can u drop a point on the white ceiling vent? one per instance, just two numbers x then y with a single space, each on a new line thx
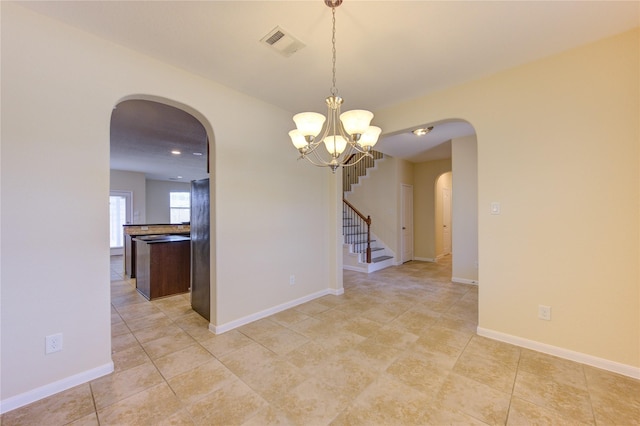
281 42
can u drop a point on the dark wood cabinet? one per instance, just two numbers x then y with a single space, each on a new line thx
129 256
162 265
131 232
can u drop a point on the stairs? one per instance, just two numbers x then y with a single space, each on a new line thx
354 224
351 175
355 249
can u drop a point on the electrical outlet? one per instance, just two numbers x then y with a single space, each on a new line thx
544 312
53 343
292 279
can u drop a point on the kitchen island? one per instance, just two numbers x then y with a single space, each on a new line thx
133 231
163 265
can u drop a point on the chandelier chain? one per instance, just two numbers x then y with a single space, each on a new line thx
343 135
334 91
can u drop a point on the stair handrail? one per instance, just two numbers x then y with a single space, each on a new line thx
366 220
352 174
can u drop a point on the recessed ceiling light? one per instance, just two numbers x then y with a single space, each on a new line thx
197 153
176 152
422 131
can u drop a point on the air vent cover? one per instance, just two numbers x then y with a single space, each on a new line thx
282 42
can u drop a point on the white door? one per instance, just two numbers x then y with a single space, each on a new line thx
119 214
406 205
446 220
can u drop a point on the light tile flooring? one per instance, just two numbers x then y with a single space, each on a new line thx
398 348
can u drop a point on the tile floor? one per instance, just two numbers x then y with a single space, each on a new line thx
398 348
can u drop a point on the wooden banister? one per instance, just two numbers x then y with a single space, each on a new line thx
366 220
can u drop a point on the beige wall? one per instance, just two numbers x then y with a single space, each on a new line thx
59 86
558 147
424 207
405 171
158 208
464 164
135 183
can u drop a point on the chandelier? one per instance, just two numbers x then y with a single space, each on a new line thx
343 135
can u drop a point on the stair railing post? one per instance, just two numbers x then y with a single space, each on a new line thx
368 239
353 212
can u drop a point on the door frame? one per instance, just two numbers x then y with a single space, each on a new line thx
447 221
128 196
406 197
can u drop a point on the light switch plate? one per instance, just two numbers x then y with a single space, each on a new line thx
495 207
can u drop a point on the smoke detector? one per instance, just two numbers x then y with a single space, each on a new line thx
282 42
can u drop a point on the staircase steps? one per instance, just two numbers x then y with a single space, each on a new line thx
380 259
355 237
351 175
373 250
355 226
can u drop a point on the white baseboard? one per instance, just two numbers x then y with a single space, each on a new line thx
370 267
336 291
604 364
354 268
219 329
425 259
52 388
464 281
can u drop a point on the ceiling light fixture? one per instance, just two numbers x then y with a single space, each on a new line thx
343 134
422 131
176 152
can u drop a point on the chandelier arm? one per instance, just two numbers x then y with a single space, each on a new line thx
316 164
357 148
363 156
314 157
319 161
311 148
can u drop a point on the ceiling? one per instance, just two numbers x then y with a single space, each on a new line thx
387 51
163 142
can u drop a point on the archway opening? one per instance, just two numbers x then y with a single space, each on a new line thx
158 149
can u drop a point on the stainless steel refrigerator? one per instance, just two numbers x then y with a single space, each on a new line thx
200 269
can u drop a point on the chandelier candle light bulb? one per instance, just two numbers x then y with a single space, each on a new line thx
343 134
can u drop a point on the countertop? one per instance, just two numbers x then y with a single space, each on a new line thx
156 229
153 239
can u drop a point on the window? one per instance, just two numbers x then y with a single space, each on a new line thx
120 208
117 218
180 206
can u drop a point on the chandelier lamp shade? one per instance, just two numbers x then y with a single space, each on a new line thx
341 134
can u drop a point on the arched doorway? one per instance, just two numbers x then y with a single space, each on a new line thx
158 147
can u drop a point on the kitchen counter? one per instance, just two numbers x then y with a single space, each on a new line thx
156 228
152 239
133 231
163 265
